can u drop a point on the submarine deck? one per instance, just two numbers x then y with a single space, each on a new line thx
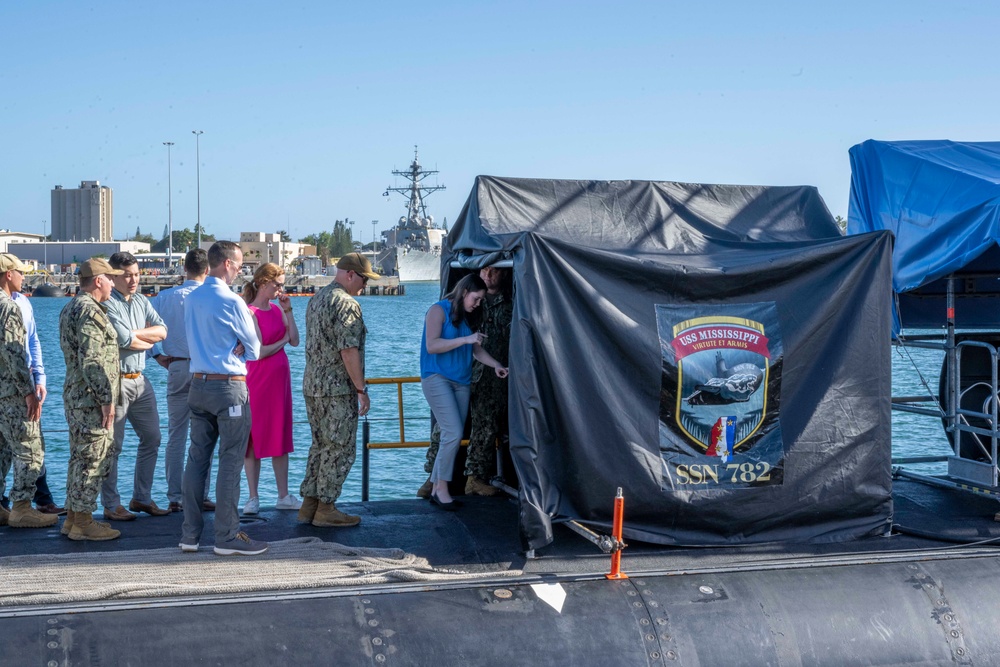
481 539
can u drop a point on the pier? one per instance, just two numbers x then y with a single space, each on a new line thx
151 284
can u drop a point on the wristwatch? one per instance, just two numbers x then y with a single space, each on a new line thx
362 391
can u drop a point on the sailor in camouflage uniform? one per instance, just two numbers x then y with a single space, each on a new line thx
488 403
20 409
90 393
334 389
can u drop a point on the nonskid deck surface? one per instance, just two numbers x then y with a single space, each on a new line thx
418 623
482 536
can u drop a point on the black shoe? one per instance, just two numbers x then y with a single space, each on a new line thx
447 507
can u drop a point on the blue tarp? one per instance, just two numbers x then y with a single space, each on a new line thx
941 200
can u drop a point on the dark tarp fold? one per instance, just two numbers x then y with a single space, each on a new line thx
648 317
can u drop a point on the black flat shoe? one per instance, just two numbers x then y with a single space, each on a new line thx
447 507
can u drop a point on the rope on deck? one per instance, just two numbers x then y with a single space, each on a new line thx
293 564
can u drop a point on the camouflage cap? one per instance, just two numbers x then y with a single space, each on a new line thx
9 262
355 261
97 266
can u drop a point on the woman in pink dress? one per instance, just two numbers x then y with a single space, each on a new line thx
269 382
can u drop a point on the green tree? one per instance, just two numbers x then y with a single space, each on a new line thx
341 242
284 235
335 244
322 243
184 240
842 223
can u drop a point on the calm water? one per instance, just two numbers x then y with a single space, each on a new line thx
394 327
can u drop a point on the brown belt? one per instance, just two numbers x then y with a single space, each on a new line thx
131 376
219 376
173 359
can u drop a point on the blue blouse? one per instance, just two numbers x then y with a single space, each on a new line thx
456 365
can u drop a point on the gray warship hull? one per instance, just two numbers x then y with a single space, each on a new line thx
412 265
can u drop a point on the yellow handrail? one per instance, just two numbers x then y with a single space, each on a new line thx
402 443
399 382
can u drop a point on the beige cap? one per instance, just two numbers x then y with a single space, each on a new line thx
9 262
98 266
355 261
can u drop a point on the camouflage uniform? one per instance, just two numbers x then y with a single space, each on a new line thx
20 439
90 347
333 323
488 405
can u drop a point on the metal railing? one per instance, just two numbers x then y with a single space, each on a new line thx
402 443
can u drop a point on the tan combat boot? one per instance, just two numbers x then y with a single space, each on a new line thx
85 528
4 516
476 487
328 516
68 523
425 489
23 515
308 509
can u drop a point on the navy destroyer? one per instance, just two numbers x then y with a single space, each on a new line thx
413 247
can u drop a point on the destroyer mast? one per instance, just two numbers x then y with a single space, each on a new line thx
413 246
411 231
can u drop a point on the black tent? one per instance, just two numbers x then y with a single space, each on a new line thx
719 352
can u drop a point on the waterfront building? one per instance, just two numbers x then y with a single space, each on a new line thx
261 247
83 214
64 255
9 237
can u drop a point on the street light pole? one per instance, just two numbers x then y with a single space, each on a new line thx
374 243
268 252
197 157
170 211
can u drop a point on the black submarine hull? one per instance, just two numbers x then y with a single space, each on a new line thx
926 610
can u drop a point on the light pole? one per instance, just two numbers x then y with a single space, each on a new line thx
268 252
170 211
374 239
197 158
45 247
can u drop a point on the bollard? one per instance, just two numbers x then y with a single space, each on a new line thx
616 533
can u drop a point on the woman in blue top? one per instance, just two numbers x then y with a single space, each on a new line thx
447 348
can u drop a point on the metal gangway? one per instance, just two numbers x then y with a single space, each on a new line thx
968 410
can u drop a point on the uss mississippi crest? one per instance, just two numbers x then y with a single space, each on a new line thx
720 394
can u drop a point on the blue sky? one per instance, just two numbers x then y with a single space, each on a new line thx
307 107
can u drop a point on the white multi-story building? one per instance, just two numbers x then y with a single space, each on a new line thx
83 214
261 247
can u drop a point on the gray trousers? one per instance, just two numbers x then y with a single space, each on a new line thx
220 412
449 402
178 428
138 405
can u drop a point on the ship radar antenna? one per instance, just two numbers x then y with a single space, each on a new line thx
416 191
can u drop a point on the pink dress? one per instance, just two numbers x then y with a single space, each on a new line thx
269 382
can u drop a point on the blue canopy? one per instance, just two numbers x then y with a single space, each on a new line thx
941 200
